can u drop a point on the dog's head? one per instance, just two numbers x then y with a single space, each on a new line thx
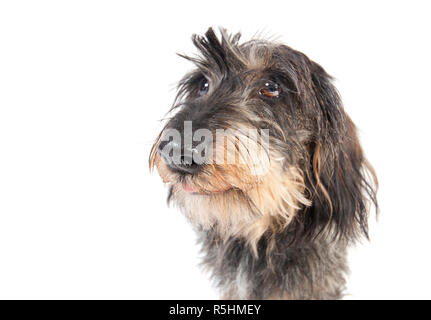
259 142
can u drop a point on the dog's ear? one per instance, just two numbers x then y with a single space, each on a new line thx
341 182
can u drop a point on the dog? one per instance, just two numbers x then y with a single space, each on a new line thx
275 221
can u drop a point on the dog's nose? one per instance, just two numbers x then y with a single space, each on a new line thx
177 157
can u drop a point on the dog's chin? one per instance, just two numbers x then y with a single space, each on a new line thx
197 185
188 186
193 190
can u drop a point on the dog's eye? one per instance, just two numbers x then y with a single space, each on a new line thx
271 90
203 87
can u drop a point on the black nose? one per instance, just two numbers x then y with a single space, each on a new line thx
178 158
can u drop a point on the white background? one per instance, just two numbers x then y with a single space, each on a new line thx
82 87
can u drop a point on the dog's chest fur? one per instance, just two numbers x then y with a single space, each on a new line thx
315 270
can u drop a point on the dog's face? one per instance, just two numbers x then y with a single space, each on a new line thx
288 154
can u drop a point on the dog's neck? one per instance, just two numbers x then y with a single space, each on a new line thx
280 269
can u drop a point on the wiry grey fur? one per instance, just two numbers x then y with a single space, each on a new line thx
314 270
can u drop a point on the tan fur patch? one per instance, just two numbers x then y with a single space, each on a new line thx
237 203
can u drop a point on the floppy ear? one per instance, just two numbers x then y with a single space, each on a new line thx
342 183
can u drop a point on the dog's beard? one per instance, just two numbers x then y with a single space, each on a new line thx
240 199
